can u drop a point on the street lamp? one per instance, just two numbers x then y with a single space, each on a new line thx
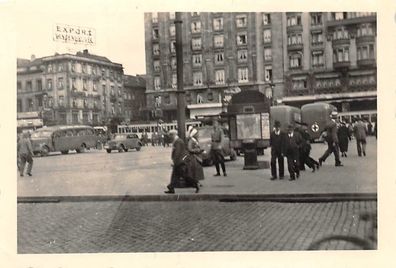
269 92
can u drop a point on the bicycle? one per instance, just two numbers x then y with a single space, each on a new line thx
368 243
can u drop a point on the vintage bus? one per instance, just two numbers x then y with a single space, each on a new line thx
316 116
151 128
63 139
286 115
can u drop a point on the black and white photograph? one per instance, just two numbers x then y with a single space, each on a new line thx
194 131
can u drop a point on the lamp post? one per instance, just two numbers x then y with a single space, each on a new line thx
181 105
269 92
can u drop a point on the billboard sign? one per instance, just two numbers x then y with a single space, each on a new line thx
77 35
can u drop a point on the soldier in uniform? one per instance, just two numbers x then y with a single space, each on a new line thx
332 141
181 167
217 149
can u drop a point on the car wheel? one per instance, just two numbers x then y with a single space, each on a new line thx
108 150
233 155
65 152
121 148
138 148
81 149
44 151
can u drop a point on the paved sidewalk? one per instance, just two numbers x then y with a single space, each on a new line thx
97 175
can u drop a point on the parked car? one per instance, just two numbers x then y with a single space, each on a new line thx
205 141
123 142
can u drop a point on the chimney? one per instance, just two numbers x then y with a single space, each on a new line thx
32 57
85 51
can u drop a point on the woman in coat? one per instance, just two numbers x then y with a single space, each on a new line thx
343 137
195 150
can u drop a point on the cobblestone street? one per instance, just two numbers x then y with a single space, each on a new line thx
84 227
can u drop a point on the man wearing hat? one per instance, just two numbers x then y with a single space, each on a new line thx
277 142
332 141
293 143
181 165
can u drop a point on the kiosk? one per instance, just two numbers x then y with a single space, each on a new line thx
249 122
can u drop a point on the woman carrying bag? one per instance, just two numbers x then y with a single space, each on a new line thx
196 160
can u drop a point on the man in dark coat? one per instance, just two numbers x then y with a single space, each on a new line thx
360 132
332 142
305 149
181 166
25 154
344 137
293 143
277 142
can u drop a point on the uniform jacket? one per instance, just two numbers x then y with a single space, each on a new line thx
277 142
332 130
217 139
360 131
178 152
25 146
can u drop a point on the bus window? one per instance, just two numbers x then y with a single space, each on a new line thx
69 133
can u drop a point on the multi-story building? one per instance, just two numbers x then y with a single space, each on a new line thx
222 53
331 56
71 89
134 97
294 57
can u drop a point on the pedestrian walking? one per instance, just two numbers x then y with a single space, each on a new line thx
360 132
277 143
332 141
305 150
344 137
196 159
181 167
217 149
292 146
25 153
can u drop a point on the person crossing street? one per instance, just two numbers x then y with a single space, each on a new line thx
332 141
25 153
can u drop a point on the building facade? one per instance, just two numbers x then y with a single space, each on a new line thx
223 53
135 98
294 58
71 89
331 56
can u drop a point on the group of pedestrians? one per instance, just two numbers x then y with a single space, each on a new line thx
295 146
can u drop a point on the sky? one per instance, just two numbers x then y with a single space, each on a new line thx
119 30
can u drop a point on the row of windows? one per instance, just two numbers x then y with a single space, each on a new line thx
220 77
240 21
242 57
60 84
350 15
85 69
218 41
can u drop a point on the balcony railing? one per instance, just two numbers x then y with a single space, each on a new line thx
342 41
295 46
365 39
349 21
341 64
366 62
